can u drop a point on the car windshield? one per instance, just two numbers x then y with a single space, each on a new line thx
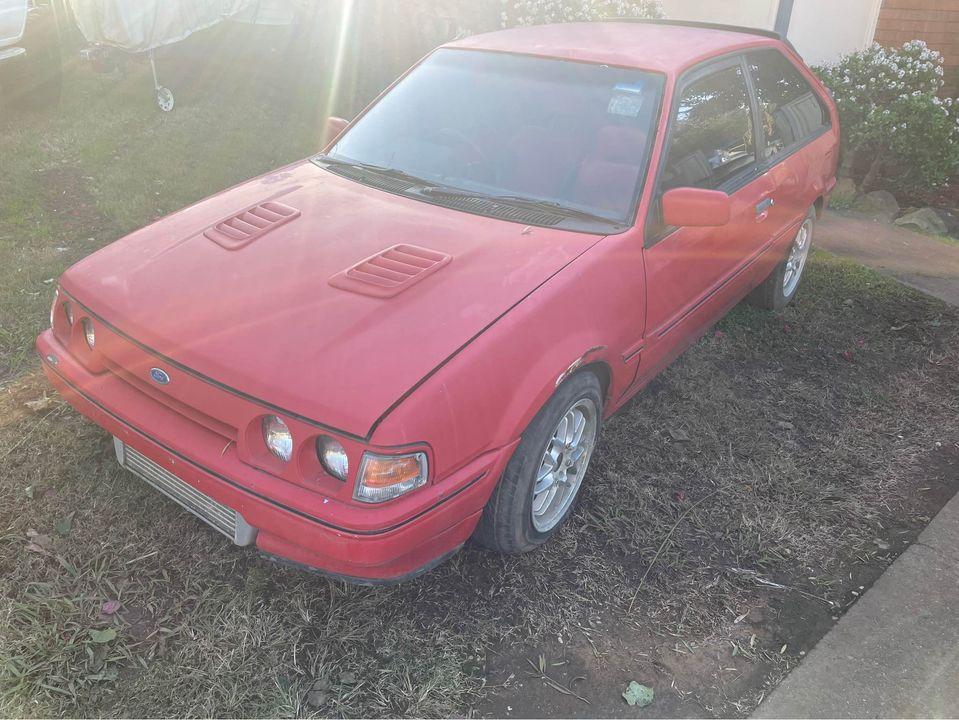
568 136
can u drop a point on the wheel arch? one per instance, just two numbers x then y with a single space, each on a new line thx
819 205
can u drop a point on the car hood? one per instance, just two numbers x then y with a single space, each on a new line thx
263 317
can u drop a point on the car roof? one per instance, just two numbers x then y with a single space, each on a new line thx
661 47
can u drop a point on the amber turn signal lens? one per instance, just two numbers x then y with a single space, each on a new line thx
383 477
384 472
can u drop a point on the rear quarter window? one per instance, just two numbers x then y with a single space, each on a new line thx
790 110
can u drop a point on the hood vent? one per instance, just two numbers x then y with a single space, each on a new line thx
245 227
390 271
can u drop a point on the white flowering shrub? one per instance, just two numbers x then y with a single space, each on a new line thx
539 12
895 127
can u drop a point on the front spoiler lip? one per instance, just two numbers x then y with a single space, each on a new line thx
368 581
51 364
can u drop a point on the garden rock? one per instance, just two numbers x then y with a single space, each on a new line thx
844 194
951 220
924 220
879 205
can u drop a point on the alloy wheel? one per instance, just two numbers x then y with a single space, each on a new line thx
564 464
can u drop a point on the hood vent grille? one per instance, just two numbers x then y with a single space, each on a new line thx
390 271
255 222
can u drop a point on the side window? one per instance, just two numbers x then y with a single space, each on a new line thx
712 137
791 111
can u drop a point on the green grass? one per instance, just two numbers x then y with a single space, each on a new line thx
798 459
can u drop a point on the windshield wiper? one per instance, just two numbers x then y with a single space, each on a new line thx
371 168
519 201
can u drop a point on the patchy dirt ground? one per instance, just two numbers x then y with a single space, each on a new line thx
721 675
734 509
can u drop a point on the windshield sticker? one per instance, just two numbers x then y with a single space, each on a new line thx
625 104
627 100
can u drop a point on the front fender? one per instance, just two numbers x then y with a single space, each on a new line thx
486 395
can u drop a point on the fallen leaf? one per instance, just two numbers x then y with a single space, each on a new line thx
106 675
679 435
65 525
719 334
348 678
785 425
679 495
36 538
847 355
882 544
103 636
40 403
316 698
637 694
109 607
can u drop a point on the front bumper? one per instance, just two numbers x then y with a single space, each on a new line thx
307 536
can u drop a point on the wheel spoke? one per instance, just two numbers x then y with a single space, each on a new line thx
544 483
578 429
559 437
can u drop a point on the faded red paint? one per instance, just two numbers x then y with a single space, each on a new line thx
455 366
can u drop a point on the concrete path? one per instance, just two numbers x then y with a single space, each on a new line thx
896 652
922 262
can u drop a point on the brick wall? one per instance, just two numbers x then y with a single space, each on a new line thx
935 21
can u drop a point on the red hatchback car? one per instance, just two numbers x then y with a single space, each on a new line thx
361 360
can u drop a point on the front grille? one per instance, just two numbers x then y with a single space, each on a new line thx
225 519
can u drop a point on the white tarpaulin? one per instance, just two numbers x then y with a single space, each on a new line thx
140 25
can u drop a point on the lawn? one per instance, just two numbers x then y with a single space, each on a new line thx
735 509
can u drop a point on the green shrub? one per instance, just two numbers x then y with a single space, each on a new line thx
895 127
538 12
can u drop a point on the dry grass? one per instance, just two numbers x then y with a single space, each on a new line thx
798 459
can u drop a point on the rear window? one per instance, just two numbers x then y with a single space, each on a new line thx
790 109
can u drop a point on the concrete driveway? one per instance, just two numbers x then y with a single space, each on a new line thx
922 262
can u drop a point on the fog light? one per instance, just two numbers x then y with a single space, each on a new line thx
88 333
277 437
332 457
384 477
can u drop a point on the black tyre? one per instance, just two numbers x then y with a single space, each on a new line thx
780 287
543 478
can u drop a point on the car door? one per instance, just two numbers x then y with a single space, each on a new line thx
693 274
791 117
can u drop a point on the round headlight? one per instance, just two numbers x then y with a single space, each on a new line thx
332 457
88 333
277 437
68 311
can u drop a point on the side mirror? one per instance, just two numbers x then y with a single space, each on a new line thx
693 207
334 128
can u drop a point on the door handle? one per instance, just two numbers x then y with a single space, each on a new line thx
764 205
